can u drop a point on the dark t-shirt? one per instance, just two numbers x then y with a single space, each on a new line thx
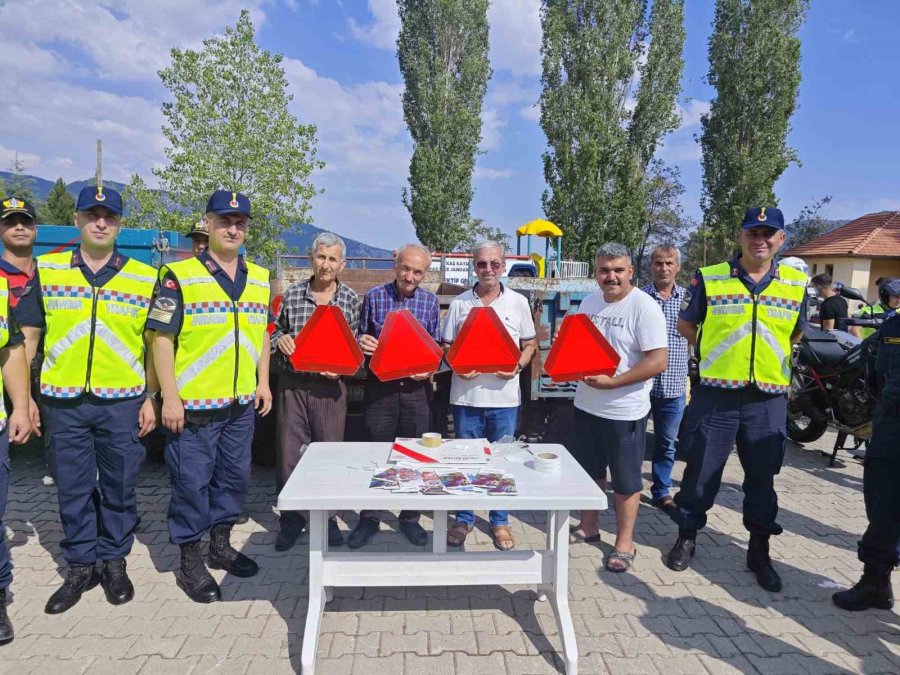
834 308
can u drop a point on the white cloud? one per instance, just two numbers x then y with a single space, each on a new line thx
491 125
486 173
385 26
515 36
690 116
532 113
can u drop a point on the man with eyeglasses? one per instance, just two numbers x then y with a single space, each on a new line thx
397 408
751 310
487 405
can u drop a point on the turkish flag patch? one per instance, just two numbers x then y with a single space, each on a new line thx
171 283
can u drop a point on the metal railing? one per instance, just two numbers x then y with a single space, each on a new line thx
572 269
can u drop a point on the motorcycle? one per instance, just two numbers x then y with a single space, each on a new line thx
829 387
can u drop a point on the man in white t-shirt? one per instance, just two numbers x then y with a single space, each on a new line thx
487 405
610 420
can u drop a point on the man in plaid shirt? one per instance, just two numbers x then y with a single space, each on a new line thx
398 408
667 398
312 407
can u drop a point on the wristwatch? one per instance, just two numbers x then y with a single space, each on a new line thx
154 395
518 368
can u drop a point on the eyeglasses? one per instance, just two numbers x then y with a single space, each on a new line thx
483 265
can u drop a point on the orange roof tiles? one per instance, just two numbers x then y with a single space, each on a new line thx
876 235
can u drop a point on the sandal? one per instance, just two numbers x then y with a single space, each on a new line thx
457 534
503 539
618 561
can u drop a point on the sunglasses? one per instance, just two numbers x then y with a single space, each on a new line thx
483 265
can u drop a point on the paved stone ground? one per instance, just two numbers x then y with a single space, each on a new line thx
712 618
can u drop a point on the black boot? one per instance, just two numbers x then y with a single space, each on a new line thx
679 557
115 582
80 578
759 562
193 577
873 590
6 629
223 556
291 525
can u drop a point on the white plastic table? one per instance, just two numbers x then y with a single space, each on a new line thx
335 477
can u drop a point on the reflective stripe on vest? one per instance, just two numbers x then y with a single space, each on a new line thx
4 338
218 336
95 336
869 313
746 339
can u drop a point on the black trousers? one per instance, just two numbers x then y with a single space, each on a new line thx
397 409
878 549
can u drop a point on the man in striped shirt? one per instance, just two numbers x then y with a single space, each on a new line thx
667 398
312 407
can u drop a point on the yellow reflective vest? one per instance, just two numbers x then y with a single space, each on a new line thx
4 338
745 338
95 335
870 313
220 341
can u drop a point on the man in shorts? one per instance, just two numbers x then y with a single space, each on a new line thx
611 412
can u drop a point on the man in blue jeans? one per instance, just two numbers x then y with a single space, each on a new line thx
487 405
667 398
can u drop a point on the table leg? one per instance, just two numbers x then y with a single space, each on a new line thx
439 536
317 593
550 546
559 593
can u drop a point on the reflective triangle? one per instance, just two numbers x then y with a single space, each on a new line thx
276 306
325 344
579 350
483 345
404 348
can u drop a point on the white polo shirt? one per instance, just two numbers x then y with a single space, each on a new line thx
489 391
633 325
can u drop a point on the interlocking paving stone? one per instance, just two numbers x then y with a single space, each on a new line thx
712 618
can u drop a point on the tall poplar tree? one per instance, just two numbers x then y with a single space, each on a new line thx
443 54
611 77
60 206
754 65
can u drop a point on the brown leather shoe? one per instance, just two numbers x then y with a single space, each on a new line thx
666 504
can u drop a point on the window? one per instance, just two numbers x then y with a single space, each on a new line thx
829 270
815 269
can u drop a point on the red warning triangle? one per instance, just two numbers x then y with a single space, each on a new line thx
483 345
580 350
325 344
276 305
404 348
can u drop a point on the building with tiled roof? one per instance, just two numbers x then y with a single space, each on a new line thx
857 253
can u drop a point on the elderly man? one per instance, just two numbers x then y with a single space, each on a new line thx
312 407
212 352
97 384
610 420
751 310
398 408
667 397
487 405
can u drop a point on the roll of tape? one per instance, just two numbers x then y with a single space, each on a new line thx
431 440
547 462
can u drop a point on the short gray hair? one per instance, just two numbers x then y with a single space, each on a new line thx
486 244
415 247
327 239
668 248
612 250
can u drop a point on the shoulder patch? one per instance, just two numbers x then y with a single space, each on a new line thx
170 284
891 340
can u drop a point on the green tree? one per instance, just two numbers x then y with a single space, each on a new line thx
754 65
664 221
477 231
21 185
809 223
611 77
229 127
443 55
59 207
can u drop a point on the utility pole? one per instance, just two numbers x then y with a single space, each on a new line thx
98 176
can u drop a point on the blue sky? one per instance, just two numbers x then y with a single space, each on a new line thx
88 70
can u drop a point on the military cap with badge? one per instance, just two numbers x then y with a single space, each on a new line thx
15 206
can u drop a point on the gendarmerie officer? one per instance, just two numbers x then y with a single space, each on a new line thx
878 549
212 355
92 304
750 309
14 380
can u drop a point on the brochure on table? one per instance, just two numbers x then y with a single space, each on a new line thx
457 451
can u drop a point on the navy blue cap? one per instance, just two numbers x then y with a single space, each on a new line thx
763 217
93 195
223 201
